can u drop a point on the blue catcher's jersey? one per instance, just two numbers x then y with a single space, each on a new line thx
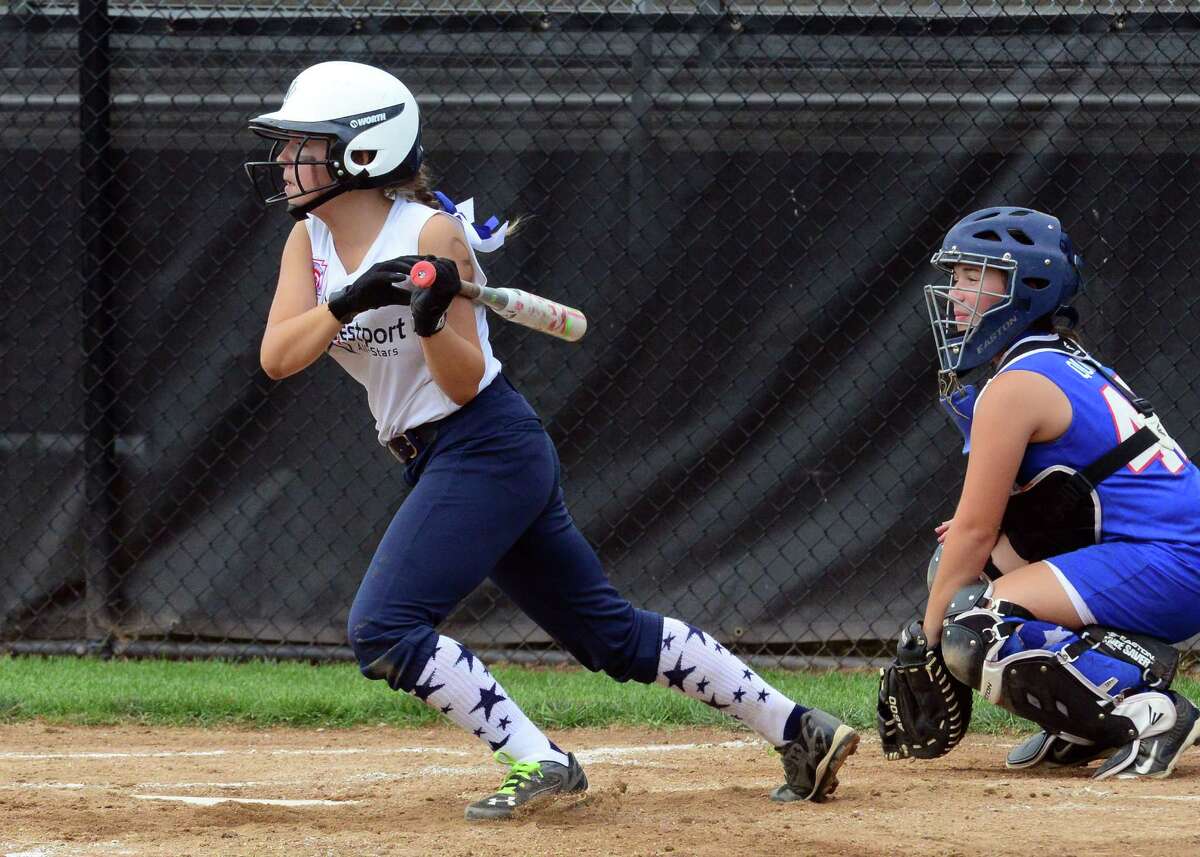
1153 498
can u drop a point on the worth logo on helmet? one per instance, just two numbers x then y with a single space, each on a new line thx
367 120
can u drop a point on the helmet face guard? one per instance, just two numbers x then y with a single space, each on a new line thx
957 322
268 176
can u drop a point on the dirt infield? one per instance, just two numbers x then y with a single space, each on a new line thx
76 791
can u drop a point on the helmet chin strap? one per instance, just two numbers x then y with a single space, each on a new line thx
1069 315
299 212
353 183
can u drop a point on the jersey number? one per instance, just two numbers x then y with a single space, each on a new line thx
1127 420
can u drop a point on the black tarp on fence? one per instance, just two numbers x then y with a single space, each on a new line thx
743 201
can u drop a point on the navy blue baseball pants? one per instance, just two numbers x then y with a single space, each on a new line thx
486 502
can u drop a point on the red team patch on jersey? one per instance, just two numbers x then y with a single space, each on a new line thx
318 269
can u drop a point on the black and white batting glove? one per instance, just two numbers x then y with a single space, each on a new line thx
429 305
379 286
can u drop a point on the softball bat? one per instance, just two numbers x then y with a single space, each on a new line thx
515 305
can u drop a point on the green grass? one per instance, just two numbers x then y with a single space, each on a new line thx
260 694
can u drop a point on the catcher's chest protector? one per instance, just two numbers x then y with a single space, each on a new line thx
1115 439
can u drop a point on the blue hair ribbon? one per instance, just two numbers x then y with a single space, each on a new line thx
484 237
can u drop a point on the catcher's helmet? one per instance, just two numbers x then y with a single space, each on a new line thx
1041 267
352 108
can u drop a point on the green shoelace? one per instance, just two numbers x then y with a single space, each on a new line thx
518 772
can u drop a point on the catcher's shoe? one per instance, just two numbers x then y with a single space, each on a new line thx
526 782
1155 757
811 760
1053 750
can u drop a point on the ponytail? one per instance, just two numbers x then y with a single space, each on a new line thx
419 188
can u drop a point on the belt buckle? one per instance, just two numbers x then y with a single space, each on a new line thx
405 456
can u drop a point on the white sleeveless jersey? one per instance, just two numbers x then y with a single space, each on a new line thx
378 347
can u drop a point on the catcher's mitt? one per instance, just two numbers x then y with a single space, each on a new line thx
923 710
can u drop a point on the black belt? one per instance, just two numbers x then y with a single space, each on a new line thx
407 445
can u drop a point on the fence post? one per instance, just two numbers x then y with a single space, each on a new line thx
96 305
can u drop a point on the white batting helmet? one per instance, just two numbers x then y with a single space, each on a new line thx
354 108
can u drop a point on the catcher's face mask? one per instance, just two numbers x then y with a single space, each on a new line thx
977 289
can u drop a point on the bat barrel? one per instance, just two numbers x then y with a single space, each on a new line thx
574 327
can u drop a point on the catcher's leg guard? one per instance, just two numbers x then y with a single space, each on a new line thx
974 631
1103 688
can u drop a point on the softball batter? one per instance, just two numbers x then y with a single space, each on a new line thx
346 160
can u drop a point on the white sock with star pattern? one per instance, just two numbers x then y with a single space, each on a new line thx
459 685
698 666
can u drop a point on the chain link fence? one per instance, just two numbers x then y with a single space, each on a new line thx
743 198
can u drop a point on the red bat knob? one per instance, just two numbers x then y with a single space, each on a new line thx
423 274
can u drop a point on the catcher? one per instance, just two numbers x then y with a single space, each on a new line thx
1059 601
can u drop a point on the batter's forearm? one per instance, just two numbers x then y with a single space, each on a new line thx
292 345
455 364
